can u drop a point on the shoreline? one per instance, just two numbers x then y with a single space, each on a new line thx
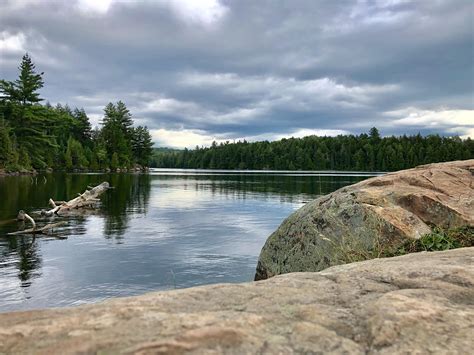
34 172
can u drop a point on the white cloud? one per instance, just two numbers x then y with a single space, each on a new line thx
378 12
298 133
203 12
94 6
185 138
443 117
206 12
451 120
304 132
95 119
468 133
170 106
14 43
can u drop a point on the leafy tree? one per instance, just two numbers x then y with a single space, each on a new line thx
75 156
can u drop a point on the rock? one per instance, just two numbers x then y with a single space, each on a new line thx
363 220
417 303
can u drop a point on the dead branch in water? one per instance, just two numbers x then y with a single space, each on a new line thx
87 199
22 216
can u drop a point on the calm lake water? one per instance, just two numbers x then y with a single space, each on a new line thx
167 229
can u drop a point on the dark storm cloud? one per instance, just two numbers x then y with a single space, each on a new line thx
197 71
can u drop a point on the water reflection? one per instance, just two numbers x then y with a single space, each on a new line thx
289 187
32 194
130 196
154 231
26 258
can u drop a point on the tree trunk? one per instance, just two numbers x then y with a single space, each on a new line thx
87 199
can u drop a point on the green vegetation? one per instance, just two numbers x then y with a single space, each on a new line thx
439 240
365 152
39 136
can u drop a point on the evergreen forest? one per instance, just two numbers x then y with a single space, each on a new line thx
364 152
39 136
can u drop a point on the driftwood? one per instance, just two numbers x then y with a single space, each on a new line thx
87 199
22 216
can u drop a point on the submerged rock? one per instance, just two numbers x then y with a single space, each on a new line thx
366 219
417 303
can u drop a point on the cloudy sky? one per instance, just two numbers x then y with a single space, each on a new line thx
194 71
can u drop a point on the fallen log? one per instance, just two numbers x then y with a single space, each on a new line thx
22 216
87 199
43 230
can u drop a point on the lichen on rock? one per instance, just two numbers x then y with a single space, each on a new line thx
367 219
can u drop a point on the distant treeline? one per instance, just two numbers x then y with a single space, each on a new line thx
41 136
365 152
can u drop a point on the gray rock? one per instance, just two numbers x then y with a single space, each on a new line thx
418 303
364 220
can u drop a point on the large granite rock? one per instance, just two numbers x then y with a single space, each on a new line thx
418 303
369 218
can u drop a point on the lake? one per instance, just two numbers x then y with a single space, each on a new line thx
162 230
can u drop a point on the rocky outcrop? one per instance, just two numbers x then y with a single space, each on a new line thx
418 303
366 219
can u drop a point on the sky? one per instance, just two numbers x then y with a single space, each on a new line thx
194 71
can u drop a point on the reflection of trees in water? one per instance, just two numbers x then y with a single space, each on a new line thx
24 253
131 196
29 260
288 187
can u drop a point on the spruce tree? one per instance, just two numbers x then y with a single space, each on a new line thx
82 126
142 145
8 159
24 90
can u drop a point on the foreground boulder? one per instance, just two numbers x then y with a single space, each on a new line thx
367 219
418 303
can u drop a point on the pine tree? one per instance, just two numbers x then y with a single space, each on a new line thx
68 159
24 90
374 135
116 133
8 159
82 127
124 118
142 145
114 163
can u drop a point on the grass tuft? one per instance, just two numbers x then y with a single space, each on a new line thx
438 240
349 251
